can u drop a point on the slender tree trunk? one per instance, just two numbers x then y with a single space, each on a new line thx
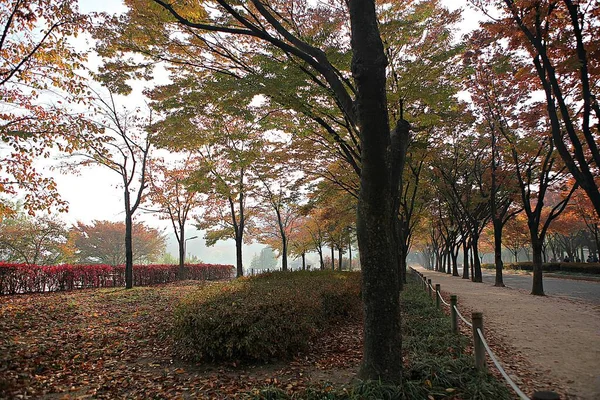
332 258
239 242
284 264
538 286
350 255
303 261
128 243
382 355
455 262
465 260
340 258
498 252
477 277
181 245
321 262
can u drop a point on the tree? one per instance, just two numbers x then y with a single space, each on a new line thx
34 240
266 260
362 111
561 36
125 150
168 191
38 63
102 242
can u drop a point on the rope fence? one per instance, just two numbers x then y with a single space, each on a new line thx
480 346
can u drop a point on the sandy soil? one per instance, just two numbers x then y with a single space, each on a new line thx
545 343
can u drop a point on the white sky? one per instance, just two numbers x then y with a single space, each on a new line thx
95 194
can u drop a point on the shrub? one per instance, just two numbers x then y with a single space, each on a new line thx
25 278
272 316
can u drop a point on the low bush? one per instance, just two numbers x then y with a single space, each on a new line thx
584 268
26 278
272 316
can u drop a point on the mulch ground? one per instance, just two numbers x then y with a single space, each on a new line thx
114 343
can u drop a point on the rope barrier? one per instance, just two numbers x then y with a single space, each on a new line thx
442 299
463 318
497 364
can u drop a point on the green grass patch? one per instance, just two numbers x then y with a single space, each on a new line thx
268 317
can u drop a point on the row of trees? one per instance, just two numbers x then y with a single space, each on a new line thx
303 110
45 240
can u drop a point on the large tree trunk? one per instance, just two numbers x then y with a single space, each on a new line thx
382 356
537 286
465 260
498 252
340 258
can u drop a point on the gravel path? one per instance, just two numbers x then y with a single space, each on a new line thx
548 343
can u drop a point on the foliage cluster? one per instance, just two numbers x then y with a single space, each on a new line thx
586 268
25 278
266 317
436 365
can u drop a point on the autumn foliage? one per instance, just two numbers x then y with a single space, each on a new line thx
24 278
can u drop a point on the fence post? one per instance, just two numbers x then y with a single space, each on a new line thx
544 395
429 287
437 295
477 320
454 317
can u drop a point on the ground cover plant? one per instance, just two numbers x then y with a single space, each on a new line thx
117 343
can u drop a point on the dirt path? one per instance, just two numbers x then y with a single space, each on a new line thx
547 343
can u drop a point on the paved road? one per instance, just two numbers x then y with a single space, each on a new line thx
582 290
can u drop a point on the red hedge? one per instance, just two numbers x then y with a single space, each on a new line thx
25 278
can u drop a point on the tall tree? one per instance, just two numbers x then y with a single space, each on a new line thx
125 150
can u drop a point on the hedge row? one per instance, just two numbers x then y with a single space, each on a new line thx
585 268
25 278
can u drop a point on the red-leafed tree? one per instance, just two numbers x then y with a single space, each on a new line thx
102 242
561 37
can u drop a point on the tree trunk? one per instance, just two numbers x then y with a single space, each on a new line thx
128 243
382 356
239 241
181 244
455 263
465 260
538 286
498 252
303 261
332 258
321 262
340 258
284 265
477 277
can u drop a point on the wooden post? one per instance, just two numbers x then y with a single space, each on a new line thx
544 395
454 317
477 320
437 295
429 287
